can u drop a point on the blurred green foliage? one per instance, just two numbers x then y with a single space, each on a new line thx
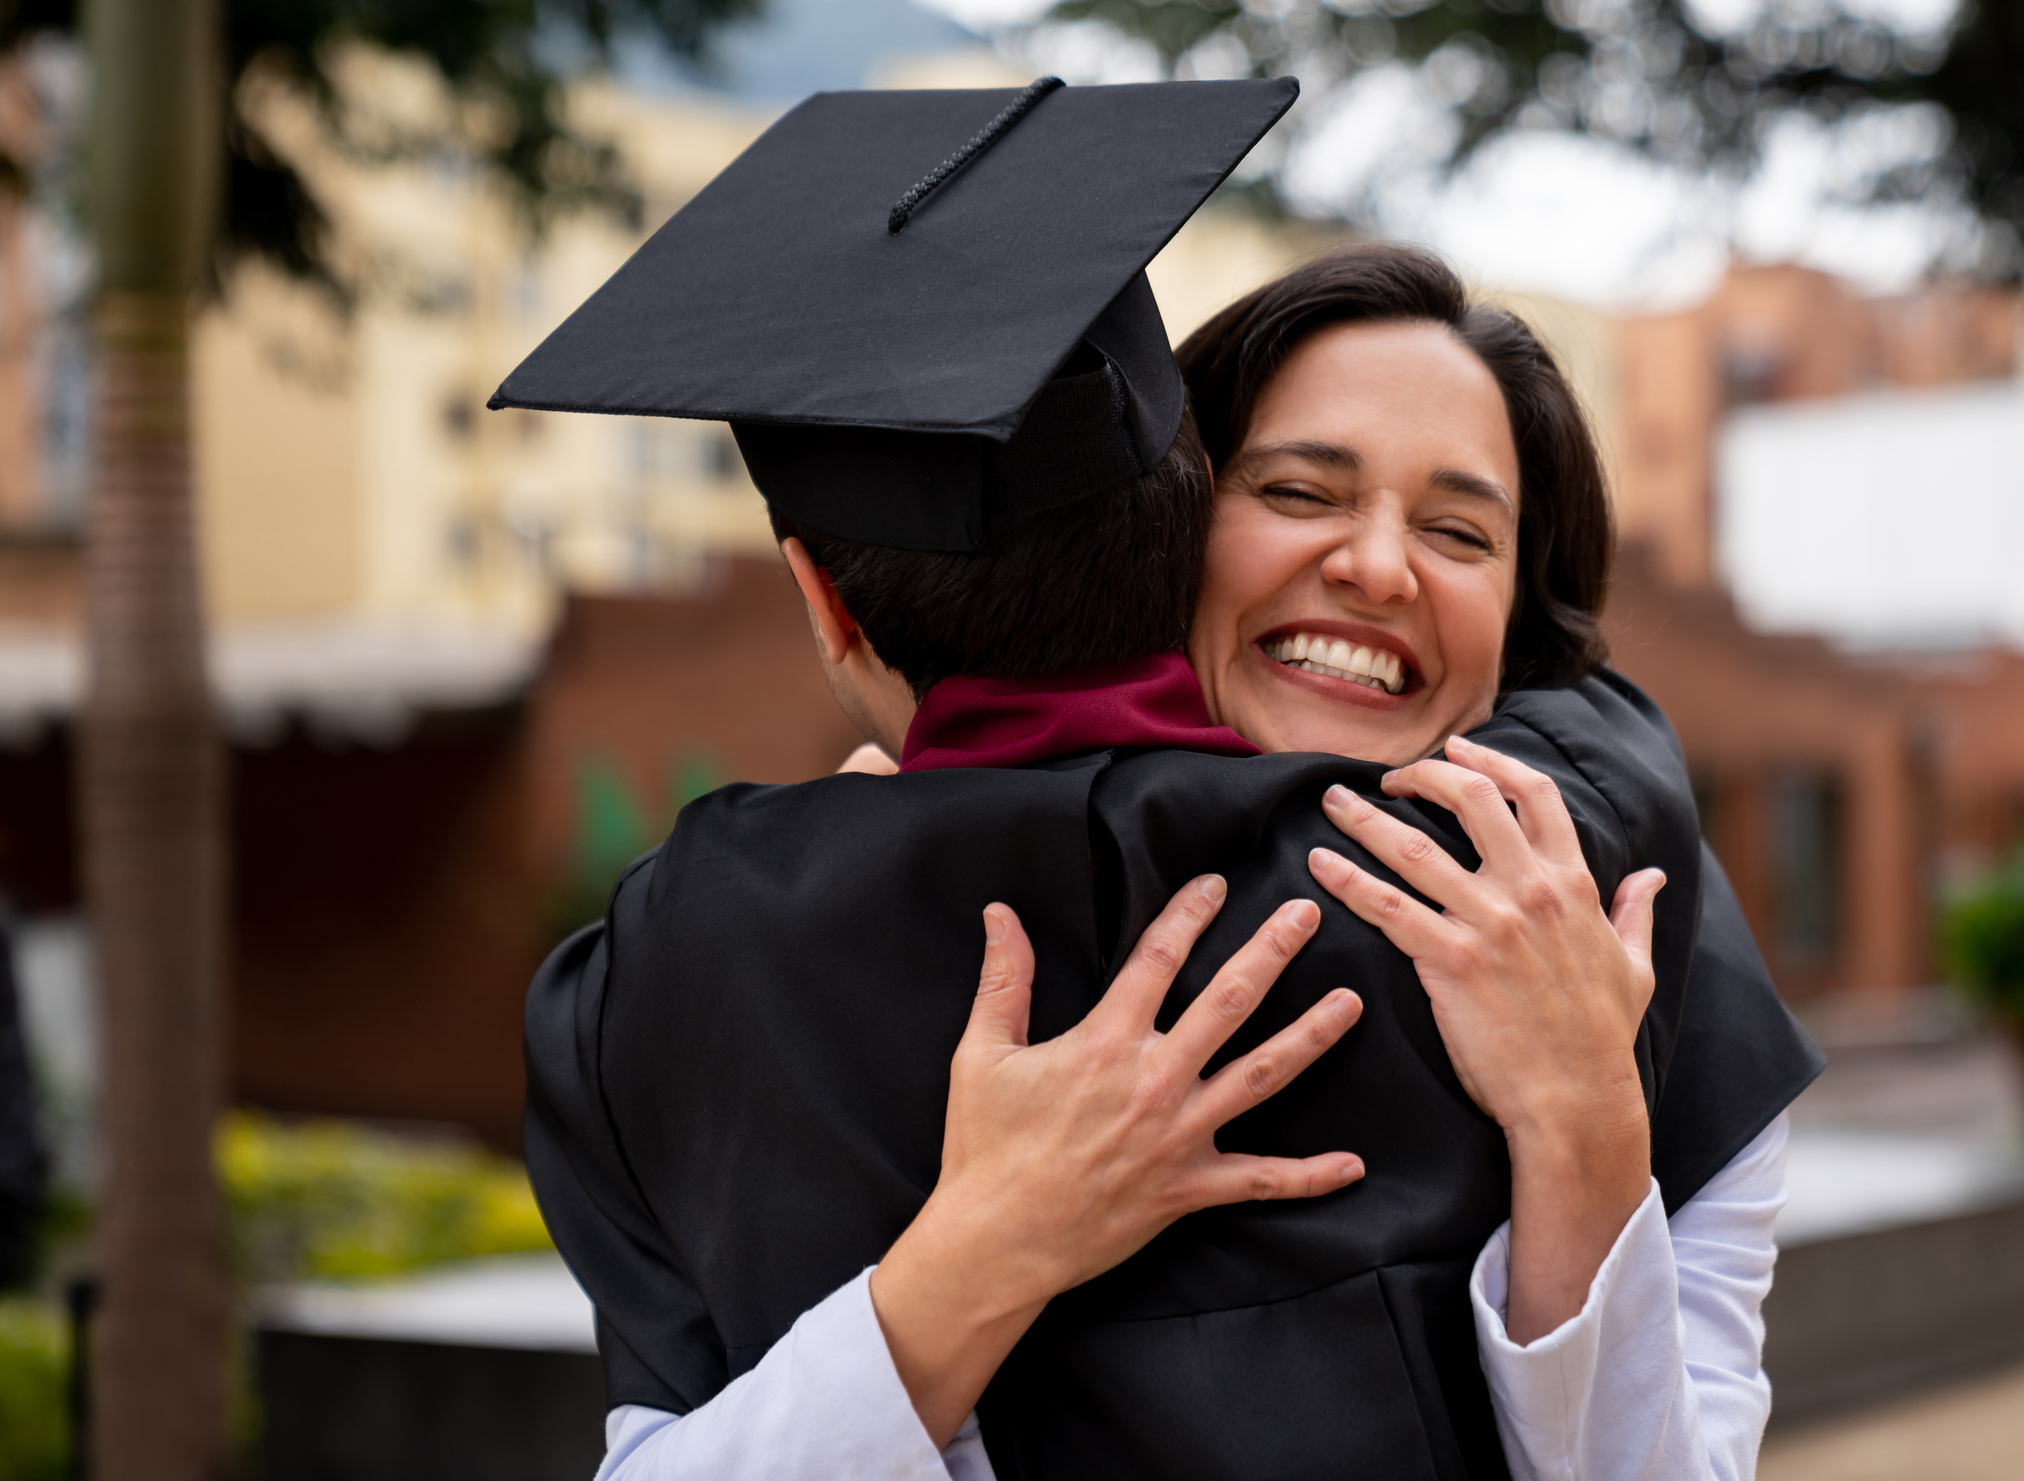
317 1199
614 827
34 1417
332 1199
1982 935
506 62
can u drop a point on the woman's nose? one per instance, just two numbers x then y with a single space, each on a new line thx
1375 560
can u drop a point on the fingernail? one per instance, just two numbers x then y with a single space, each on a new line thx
1304 914
1322 858
1352 1169
1336 796
1212 885
994 925
1461 743
1340 1001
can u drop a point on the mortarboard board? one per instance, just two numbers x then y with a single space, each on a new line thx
920 311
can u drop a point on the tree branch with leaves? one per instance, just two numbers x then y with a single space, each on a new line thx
1657 76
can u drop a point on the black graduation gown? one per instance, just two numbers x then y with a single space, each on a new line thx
738 1084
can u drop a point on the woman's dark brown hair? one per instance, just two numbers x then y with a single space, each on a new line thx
1565 537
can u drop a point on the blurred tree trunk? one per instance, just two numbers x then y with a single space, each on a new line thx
151 772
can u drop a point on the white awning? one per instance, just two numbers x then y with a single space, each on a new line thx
350 682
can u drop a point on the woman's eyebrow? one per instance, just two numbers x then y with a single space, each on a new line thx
1474 486
1327 454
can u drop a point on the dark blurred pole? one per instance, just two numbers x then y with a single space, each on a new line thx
22 1164
81 1295
150 774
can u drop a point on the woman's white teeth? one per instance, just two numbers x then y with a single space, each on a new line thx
1372 667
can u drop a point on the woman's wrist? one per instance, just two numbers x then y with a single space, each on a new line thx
974 1256
952 1301
1582 1126
1576 1180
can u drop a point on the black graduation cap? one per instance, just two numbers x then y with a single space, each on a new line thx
920 311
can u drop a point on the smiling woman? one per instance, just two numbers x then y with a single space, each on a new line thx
1402 473
1411 539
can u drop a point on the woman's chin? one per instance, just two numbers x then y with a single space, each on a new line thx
1291 709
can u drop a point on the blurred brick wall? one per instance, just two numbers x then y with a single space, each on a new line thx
1752 711
1973 717
725 683
380 927
391 907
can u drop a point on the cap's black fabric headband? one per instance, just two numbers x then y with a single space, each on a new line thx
1109 412
984 138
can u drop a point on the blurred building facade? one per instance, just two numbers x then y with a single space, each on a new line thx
1848 767
1771 334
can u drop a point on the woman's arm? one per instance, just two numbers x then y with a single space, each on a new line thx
1661 1372
1538 997
825 1401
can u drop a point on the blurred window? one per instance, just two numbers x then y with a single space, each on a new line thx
462 541
460 417
526 290
1805 837
1750 371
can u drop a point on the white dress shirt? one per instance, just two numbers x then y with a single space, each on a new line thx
1659 1377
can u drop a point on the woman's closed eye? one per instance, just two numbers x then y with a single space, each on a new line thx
1464 535
1298 499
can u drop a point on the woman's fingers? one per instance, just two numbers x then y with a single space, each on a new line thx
1407 924
1542 812
1416 858
1004 1002
1241 984
1141 984
1475 799
1631 916
1233 1177
1261 1074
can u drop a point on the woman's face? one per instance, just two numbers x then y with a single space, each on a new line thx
1363 554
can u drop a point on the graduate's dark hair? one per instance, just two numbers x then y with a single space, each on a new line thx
1566 539
1108 578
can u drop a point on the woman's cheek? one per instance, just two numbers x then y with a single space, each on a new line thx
1473 619
1495 622
1235 570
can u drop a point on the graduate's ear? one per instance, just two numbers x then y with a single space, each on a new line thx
834 629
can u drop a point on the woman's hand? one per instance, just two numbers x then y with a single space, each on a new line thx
1538 997
1061 1159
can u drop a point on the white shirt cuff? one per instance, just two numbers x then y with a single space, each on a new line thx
1619 1356
826 1401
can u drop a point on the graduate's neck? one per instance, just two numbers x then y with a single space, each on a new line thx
875 699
